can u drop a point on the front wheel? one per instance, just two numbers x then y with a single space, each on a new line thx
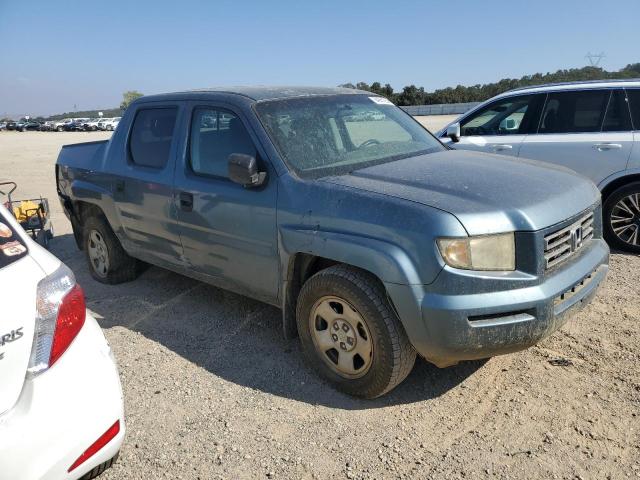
621 218
107 260
350 333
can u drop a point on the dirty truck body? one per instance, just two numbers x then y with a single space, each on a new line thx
384 211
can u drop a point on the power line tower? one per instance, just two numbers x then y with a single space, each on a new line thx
595 58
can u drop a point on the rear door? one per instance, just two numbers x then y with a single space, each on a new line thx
501 126
143 188
588 131
19 276
228 231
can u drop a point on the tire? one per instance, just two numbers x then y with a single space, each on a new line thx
60 129
110 263
614 215
99 470
391 356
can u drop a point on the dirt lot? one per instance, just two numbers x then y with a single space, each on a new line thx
213 391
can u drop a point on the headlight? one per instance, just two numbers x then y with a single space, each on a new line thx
486 252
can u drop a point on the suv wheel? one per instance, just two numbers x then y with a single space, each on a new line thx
350 334
621 216
107 260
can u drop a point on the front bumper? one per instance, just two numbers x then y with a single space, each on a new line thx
446 327
61 412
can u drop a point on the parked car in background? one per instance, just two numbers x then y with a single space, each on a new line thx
91 125
75 125
109 124
28 125
47 126
12 125
61 405
3 126
375 240
590 127
59 125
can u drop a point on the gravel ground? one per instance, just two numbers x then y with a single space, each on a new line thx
213 391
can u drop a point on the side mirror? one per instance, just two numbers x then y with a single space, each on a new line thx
453 132
243 169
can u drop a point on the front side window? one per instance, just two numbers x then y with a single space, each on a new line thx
634 105
508 116
151 136
216 134
335 134
574 112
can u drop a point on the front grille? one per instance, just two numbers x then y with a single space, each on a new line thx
562 244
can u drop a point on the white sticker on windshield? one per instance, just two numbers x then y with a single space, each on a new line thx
381 100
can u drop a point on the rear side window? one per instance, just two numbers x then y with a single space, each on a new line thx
216 134
634 104
574 112
151 135
617 118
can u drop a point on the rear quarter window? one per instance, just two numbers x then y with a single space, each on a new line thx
12 247
634 104
151 136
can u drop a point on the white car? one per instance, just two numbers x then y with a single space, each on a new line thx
109 124
61 407
590 127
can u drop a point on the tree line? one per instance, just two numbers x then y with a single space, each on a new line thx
412 95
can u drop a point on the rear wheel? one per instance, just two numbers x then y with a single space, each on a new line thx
621 218
107 260
350 333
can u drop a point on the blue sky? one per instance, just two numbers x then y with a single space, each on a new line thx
54 55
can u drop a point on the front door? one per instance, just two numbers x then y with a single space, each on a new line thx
588 131
228 232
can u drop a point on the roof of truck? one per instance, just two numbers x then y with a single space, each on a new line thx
259 93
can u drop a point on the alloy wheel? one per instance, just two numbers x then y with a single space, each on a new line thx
625 219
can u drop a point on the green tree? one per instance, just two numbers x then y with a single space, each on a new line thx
128 97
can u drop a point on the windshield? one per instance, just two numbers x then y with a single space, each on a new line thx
333 135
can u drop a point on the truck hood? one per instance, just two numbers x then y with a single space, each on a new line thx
487 193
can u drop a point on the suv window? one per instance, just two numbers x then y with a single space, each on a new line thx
617 118
216 134
151 135
634 104
508 116
574 112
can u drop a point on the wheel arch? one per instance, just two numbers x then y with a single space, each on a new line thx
305 252
611 184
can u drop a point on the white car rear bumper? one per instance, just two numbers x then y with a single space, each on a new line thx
63 411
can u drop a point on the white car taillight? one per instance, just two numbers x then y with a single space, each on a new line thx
60 314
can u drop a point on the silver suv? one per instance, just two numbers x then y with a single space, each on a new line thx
590 127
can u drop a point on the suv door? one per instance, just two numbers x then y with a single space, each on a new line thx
228 232
499 127
143 185
588 131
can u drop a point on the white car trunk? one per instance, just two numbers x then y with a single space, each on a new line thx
18 284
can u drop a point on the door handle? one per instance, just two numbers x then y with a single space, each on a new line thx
502 146
607 146
186 201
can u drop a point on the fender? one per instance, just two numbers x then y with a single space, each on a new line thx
616 179
384 259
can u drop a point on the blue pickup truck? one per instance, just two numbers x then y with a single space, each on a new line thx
375 240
